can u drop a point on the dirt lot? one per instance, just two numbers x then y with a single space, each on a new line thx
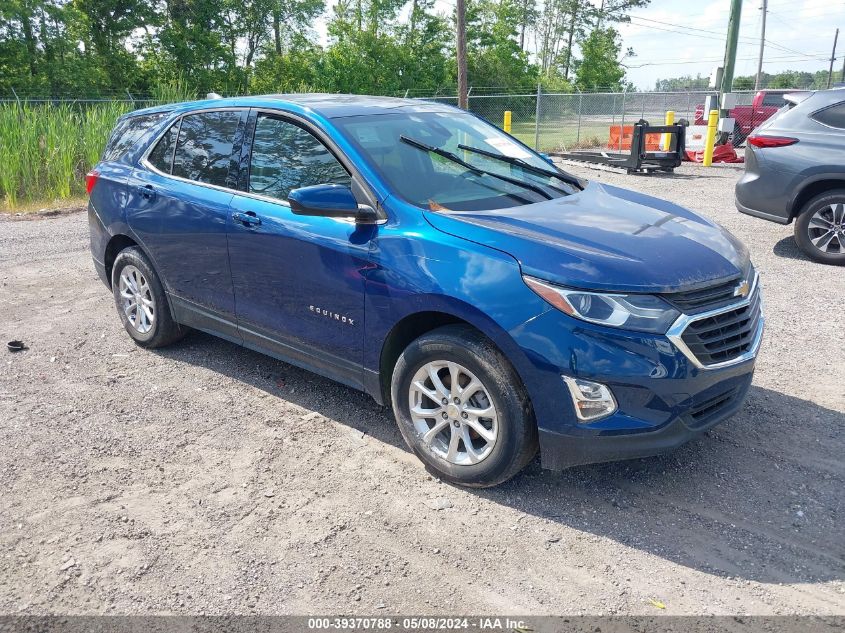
205 478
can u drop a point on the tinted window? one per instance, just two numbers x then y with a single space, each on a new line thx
773 100
286 157
127 132
833 116
162 155
204 149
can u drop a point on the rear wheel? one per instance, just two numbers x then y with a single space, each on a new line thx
462 409
738 137
141 302
820 228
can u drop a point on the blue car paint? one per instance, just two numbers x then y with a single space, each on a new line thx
326 294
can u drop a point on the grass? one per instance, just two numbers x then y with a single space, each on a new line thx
556 136
46 150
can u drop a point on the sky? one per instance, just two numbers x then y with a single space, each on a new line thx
799 36
672 38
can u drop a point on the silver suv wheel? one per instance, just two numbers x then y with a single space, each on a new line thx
453 413
826 229
137 299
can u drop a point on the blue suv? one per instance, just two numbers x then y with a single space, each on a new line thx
415 252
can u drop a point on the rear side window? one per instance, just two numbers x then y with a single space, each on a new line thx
162 155
127 132
773 100
204 148
286 156
833 116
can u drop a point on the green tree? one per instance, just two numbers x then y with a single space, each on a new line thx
600 67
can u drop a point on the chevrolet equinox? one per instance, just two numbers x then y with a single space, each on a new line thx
415 252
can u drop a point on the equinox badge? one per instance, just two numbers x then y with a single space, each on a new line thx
332 315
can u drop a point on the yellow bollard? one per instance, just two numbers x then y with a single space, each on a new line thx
507 126
667 138
710 139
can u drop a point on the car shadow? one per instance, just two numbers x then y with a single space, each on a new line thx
788 249
757 498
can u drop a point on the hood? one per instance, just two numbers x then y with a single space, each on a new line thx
605 238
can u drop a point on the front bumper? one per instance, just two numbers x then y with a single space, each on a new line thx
665 396
706 410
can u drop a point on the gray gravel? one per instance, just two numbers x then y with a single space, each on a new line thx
206 478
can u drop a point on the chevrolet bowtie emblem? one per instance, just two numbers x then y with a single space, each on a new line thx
742 289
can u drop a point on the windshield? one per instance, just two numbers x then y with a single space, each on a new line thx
427 159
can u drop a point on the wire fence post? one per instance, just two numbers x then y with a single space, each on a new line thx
17 98
537 118
622 124
580 103
129 94
613 112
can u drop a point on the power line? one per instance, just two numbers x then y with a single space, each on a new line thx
816 56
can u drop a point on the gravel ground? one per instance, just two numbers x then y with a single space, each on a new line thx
206 478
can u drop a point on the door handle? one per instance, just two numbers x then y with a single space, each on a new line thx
247 219
146 192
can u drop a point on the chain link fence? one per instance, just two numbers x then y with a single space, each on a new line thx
558 121
545 121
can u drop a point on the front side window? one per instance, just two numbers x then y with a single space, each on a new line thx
204 149
452 161
833 116
286 157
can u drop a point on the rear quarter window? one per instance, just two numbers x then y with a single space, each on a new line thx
834 116
127 133
773 100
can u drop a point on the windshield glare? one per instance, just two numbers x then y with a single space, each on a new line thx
437 183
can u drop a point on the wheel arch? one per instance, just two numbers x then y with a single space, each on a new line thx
115 245
811 190
413 325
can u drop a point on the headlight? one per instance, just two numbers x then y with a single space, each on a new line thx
643 313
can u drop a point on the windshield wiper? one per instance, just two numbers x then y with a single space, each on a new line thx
513 160
455 159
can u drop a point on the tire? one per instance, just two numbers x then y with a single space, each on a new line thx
133 276
820 228
508 440
737 138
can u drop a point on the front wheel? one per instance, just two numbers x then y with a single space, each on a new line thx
462 409
820 228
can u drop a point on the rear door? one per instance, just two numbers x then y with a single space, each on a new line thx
298 280
179 209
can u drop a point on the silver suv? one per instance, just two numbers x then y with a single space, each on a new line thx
795 170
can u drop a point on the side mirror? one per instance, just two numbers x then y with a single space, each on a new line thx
330 201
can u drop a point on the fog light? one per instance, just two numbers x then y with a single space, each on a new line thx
592 400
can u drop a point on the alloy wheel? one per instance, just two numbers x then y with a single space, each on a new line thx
453 413
137 299
826 228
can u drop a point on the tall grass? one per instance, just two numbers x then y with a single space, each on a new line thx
46 150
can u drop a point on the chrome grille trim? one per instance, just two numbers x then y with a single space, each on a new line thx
676 332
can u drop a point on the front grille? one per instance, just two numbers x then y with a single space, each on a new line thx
710 298
725 336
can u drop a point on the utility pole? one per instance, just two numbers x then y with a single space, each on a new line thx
730 52
832 58
461 10
762 46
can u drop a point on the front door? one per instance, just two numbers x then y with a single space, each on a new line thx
298 280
